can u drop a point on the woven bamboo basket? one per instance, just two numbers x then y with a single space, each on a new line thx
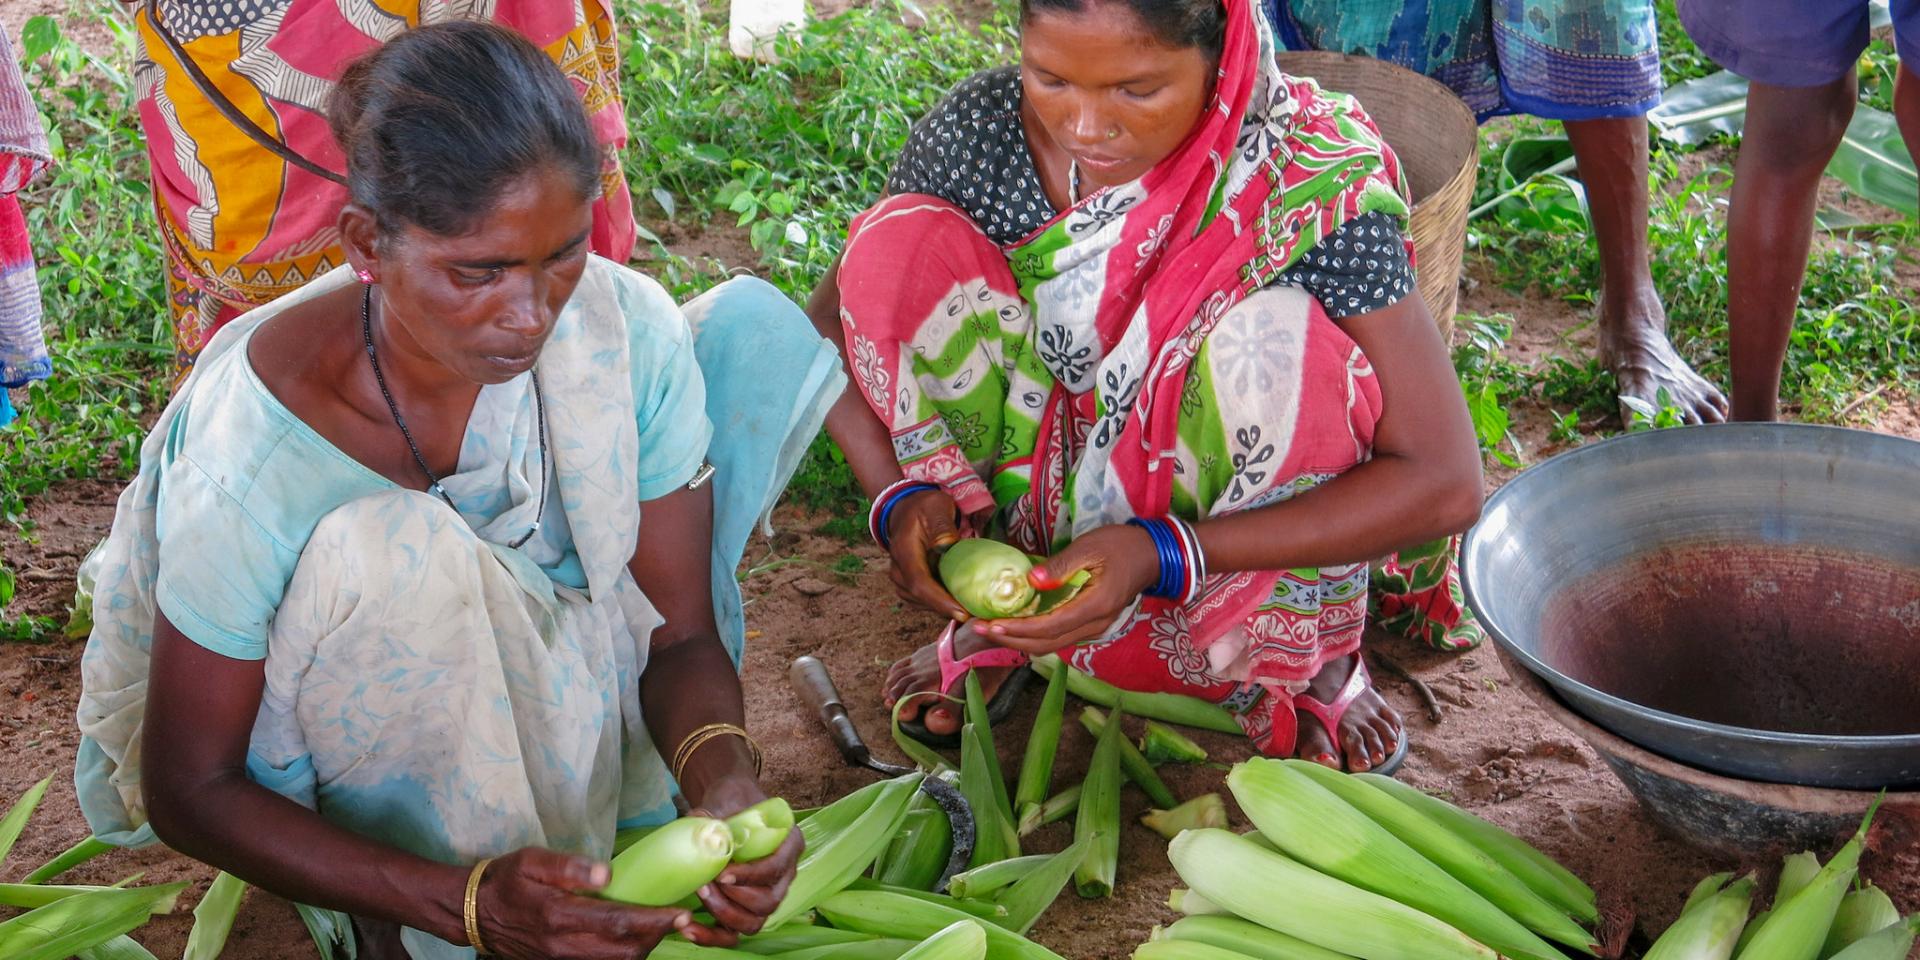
1438 143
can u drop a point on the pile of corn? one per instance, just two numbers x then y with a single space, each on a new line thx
869 886
1365 867
1814 915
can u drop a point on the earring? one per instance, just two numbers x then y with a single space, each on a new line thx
364 276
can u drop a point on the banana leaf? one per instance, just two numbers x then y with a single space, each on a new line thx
1873 162
1872 159
1538 188
1691 112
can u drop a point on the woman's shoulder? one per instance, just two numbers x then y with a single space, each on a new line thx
616 301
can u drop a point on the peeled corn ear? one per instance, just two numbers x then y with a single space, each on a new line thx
1205 810
759 830
1710 928
1889 943
1540 873
1455 854
1184 950
1864 911
1282 895
669 864
1251 939
1312 825
961 940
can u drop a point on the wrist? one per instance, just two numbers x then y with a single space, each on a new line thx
727 794
440 902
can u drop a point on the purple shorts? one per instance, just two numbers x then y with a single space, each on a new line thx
1794 43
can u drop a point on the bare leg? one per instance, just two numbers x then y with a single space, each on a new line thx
1612 154
1791 134
1369 730
919 673
1906 108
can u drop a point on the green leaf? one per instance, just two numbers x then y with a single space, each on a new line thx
16 818
38 36
32 896
119 948
332 932
213 917
72 857
665 200
77 923
6 586
710 153
1489 416
1693 111
1873 162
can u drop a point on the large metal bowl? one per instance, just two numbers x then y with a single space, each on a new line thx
1744 598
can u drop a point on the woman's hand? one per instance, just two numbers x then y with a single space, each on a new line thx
920 524
531 905
1121 562
744 895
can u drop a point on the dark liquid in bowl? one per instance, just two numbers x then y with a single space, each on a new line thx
1777 638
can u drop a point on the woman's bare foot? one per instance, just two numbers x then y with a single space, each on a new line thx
919 673
1369 730
1634 345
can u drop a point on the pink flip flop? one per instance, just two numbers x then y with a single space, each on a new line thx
953 672
1329 714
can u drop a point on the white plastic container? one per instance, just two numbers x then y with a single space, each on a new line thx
752 25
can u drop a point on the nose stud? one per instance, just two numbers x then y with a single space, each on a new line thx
1113 134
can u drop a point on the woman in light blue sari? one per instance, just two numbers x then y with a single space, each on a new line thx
397 618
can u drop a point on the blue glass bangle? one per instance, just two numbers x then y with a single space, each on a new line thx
886 511
1173 561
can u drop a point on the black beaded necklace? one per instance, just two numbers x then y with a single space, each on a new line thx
433 479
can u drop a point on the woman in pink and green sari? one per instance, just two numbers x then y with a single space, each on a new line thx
1143 305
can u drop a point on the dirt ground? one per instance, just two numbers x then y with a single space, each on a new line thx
1493 751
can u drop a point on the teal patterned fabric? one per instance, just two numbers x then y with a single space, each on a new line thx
1560 59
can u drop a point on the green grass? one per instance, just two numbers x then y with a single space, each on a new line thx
791 151
100 278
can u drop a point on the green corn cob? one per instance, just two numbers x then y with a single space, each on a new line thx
1245 937
1710 929
1892 942
1031 895
1036 766
1057 807
1097 822
1540 872
1279 894
1163 744
1454 853
1797 928
1864 911
1312 825
1132 763
960 940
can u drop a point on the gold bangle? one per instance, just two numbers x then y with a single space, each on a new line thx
472 909
701 736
